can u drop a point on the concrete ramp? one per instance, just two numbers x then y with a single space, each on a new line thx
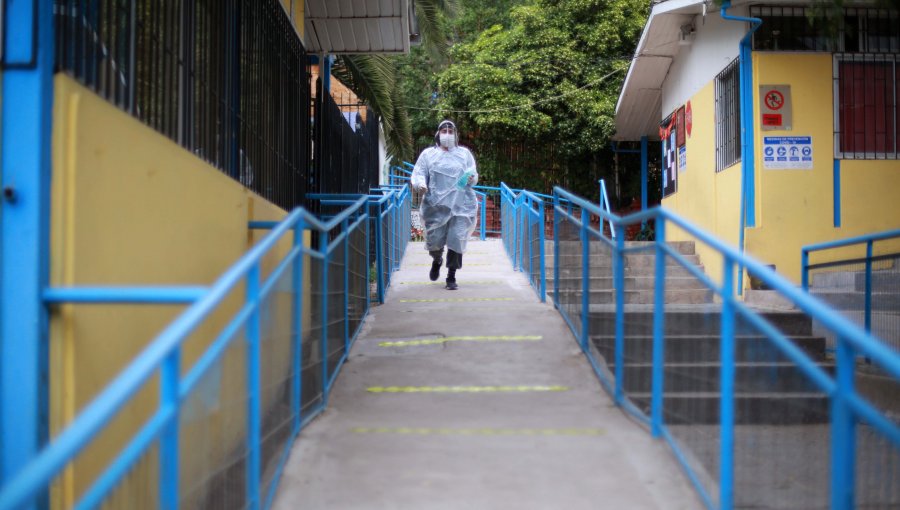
477 398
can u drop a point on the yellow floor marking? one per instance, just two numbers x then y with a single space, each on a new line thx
485 431
434 341
454 300
468 282
464 265
463 389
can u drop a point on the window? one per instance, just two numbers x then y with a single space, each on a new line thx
866 109
789 28
728 117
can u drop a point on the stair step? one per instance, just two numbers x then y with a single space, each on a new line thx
672 271
843 300
749 409
634 282
677 296
882 281
770 378
682 247
600 260
691 319
706 348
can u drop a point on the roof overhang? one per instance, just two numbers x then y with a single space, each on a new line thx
639 104
359 26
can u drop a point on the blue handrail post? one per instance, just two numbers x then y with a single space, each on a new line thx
619 283
483 215
555 251
659 314
543 261
170 376
25 173
253 388
843 430
344 228
726 413
297 323
585 278
804 269
748 163
323 249
869 286
868 298
379 257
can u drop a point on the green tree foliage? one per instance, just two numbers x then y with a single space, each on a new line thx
550 79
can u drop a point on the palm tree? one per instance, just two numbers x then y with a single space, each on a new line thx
375 79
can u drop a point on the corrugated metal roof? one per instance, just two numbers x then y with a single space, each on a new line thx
357 26
638 107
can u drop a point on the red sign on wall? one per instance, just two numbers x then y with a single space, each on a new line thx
688 119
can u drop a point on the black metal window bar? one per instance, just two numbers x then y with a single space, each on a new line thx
867 106
861 30
226 79
728 117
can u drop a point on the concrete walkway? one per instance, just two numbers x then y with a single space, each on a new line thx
511 417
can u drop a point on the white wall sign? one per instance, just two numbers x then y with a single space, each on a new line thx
682 158
787 152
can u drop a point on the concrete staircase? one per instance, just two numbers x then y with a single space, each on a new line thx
769 389
845 291
681 285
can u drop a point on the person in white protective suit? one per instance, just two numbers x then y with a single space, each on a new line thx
446 173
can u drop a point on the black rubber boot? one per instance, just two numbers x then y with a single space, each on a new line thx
436 265
451 279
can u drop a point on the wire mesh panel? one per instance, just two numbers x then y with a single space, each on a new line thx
336 312
213 429
535 245
278 344
358 273
877 471
311 381
782 420
387 248
568 264
138 488
865 289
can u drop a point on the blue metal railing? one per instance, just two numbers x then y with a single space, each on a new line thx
523 234
317 345
604 204
864 438
847 261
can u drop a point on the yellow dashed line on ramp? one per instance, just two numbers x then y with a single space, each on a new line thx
463 389
468 282
454 300
425 431
434 341
467 264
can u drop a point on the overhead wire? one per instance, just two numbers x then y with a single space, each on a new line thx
527 105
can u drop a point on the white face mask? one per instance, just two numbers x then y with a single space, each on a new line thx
447 140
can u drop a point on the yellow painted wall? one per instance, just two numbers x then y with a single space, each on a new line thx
796 206
131 207
295 10
708 199
793 207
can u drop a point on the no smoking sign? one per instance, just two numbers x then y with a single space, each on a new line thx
775 107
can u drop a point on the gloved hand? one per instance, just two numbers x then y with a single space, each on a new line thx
471 179
423 189
465 179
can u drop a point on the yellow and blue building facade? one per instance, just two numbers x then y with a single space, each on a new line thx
822 165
